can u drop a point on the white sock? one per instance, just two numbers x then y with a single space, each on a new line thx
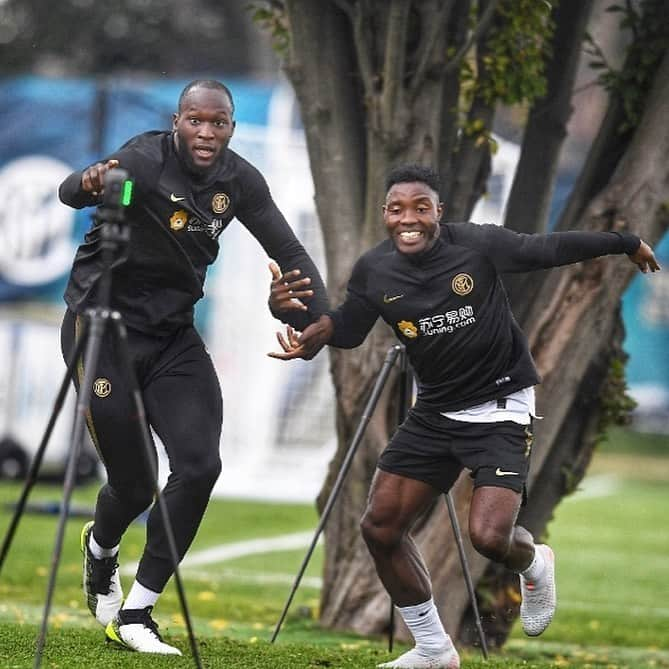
100 552
140 597
536 568
424 623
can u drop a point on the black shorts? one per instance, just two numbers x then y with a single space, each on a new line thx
434 449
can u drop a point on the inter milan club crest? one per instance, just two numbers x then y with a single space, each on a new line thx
102 387
219 203
462 284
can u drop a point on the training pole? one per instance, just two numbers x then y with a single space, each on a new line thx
466 573
391 356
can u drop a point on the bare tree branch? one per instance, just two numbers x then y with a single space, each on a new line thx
394 61
480 28
435 28
355 15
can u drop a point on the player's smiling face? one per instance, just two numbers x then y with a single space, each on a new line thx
411 213
203 127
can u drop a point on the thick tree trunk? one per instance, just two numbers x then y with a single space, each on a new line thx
335 137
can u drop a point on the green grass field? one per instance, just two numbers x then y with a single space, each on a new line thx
611 540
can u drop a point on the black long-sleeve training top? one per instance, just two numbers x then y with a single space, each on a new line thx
175 220
449 307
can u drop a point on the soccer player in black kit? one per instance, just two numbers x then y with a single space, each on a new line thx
188 186
438 287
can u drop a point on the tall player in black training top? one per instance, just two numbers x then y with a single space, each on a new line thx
188 187
438 287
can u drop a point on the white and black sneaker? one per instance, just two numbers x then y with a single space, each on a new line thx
136 630
101 581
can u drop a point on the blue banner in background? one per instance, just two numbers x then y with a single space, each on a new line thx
646 317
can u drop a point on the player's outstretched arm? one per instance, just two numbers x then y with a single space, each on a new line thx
644 258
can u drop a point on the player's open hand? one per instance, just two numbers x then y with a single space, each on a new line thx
93 177
306 345
644 258
286 290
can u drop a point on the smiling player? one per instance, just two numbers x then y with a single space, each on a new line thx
438 287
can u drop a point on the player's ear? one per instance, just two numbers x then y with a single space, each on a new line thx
175 118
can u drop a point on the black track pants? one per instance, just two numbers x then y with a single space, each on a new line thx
183 403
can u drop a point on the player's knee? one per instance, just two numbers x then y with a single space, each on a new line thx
379 535
136 496
489 540
202 473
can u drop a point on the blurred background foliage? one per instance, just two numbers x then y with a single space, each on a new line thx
120 37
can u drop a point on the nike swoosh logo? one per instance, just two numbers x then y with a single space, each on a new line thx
501 472
175 198
387 299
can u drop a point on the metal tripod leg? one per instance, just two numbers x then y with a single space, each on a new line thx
466 573
391 356
95 332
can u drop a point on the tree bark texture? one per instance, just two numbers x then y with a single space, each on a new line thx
386 65
546 129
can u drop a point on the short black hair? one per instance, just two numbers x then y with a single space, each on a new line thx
413 172
205 83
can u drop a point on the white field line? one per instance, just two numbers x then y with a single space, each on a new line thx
238 549
259 578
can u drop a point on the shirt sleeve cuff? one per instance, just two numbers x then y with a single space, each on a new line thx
631 243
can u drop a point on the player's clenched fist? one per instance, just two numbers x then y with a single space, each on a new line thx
93 177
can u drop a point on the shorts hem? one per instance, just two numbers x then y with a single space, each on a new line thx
502 483
413 477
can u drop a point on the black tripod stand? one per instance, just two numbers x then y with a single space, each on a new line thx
115 234
404 401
